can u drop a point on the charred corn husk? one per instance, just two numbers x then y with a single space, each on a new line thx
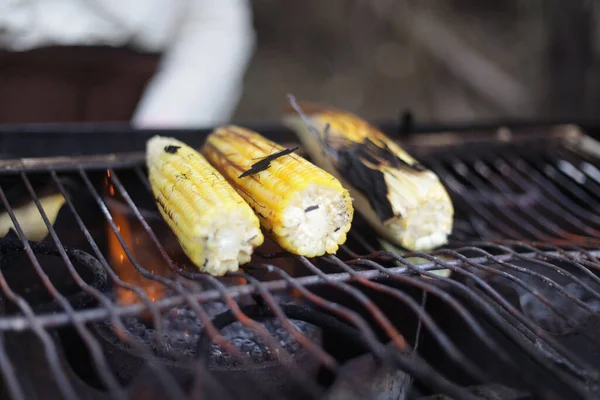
402 200
30 220
304 209
216 228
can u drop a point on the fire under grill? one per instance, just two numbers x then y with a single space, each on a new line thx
98 301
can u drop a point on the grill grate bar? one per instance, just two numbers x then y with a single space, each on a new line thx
503 172
540 218
92 344
420 370
549 188
554 268
322 356
424 319
518 315
554 202
514 312
562 180
417 368
8 373
49 348
487 217
17 323
526 220
465 315
490 313
521 283
566 257
395 336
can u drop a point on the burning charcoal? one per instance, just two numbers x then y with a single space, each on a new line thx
149 335
257 355
183 331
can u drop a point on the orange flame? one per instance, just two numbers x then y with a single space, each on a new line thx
121 263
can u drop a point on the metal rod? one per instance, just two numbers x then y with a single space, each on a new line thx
16 323
467 317
453 352
100 364
420 370
319 354
489 313
8 373
49 348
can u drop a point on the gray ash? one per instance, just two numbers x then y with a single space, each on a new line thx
182 331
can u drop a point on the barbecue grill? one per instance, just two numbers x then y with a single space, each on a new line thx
107 306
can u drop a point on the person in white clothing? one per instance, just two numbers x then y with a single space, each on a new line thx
205 47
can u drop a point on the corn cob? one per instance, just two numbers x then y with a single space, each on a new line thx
215 227
30 220
304 209
401 199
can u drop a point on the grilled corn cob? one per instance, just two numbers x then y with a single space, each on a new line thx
30 219
304 209
214 225
402 200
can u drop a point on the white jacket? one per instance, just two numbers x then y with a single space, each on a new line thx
206 46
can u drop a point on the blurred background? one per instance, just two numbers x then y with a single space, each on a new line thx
444 60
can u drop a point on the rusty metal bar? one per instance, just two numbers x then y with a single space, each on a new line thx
49 348
96 353
16 323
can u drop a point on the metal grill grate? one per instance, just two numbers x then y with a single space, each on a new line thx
106 307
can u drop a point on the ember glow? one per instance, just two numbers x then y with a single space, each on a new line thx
148 258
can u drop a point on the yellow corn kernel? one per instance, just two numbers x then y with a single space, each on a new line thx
31 220
214 225
304 209
401 199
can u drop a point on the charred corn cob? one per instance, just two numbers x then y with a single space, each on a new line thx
402 200
304 209
214 225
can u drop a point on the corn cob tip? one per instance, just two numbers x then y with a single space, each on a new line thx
302 208
156 146
315 221
215 227
425 225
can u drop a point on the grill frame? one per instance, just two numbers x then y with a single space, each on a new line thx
566 250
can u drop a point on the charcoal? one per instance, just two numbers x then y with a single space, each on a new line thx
183 330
